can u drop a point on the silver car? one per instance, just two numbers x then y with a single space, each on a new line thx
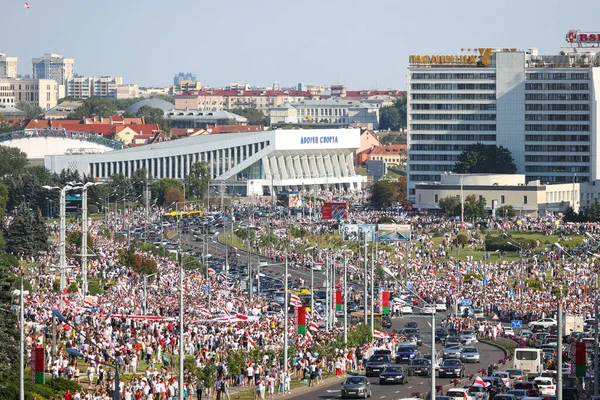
469 354
451 351
356 386
468 337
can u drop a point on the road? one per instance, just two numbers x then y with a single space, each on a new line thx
489 355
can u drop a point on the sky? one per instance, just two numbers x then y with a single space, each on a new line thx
362 44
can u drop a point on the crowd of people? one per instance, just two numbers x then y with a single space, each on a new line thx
134 321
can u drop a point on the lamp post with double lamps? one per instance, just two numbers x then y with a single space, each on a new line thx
432 388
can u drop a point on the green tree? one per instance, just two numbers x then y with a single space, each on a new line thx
196 183
9 351
95 107
12 161
482 158
5 126
475 207
160 189
450 206
401 105
31 111
254 116
154 115
389 118
392 138
138 183
594 211
27 234
173 195
383 194
506 211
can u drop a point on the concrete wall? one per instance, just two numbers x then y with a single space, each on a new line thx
38 147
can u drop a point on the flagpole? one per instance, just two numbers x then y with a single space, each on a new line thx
285 324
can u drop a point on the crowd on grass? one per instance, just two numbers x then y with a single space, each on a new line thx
224 330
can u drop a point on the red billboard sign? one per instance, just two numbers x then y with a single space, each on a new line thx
334 211
575 36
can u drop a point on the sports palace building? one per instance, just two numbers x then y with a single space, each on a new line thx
543 108
248 163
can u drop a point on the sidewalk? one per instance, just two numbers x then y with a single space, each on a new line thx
295 391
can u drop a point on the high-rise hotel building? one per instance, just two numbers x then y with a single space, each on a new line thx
542 108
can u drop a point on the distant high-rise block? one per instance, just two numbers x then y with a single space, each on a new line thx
8 67
53 66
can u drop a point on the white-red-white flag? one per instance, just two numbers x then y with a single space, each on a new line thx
27 5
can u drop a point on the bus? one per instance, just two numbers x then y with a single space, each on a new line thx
183 215
531 361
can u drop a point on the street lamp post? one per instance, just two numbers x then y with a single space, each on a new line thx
84 234
285 320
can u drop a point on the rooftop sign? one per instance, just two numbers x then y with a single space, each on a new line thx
480 56
576 36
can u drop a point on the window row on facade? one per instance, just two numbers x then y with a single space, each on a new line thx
453 86
561 158
557 86
557 117
453 127
551 148
448 137
557 168
557 138
454 107
433 157
557 128
453 96
580 76
558 96
461 76
218 161
455 117
557 107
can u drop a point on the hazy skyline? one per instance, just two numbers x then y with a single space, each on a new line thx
364 45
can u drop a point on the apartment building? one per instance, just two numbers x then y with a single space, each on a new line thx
84 87
542 108
37 92
8 67
53 66
327 111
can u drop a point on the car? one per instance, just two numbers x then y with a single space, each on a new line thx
420 366
393 374
518 393
386 322
428 309
494 385
468 337
454 368
459 393
505 376
469 354
451 351
436 359
376 364
356 386
529 387
406 309
479 392
406 353
509 331
452 339
516 375
545 322
412 325
505 397
441 334
440 306
545 385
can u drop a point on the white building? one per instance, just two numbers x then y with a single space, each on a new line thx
542 108
249 163
36 92
84 87
53 66
331 111
8 67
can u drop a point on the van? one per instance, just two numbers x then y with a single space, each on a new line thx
531 361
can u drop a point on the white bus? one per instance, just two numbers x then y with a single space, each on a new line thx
531 361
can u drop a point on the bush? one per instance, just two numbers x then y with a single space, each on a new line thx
62 385
503 243
463 238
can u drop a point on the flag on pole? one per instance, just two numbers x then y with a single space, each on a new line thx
480 382
301 320
251 342
451 264
313 326
27 5
338 300
385 303
295 300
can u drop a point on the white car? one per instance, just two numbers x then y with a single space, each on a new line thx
459 394
428 309
508 331
441 306
546 385
406 309
505 378
545 322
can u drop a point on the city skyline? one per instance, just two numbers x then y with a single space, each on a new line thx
330 43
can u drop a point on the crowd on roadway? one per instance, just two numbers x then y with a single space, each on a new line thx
135 321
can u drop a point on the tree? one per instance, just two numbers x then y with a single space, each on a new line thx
475 207
450 206
160 189
95 107
507 211
482 158
138 183
254 116
389 118
196 183
154 115
383 194
392 138
401 194
9 351
12 161
173 195
27 234
31 111
593 212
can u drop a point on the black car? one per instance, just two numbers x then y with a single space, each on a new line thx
406 353
451 367
393 374
376 364
441 334
412 325
386 322
420 366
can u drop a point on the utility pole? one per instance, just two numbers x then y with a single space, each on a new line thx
559 378
596 375
22 343
345 300
181 338
366 277
285 320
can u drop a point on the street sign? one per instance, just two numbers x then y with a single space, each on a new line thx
485 281
511 293
465 302
516 323
409 286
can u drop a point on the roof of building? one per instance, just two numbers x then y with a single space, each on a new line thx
234 128
389 149
205 115
242 93
139 129
324 103
154 103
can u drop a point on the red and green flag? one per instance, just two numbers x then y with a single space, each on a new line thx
385 303
301 320
338 300
580 361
